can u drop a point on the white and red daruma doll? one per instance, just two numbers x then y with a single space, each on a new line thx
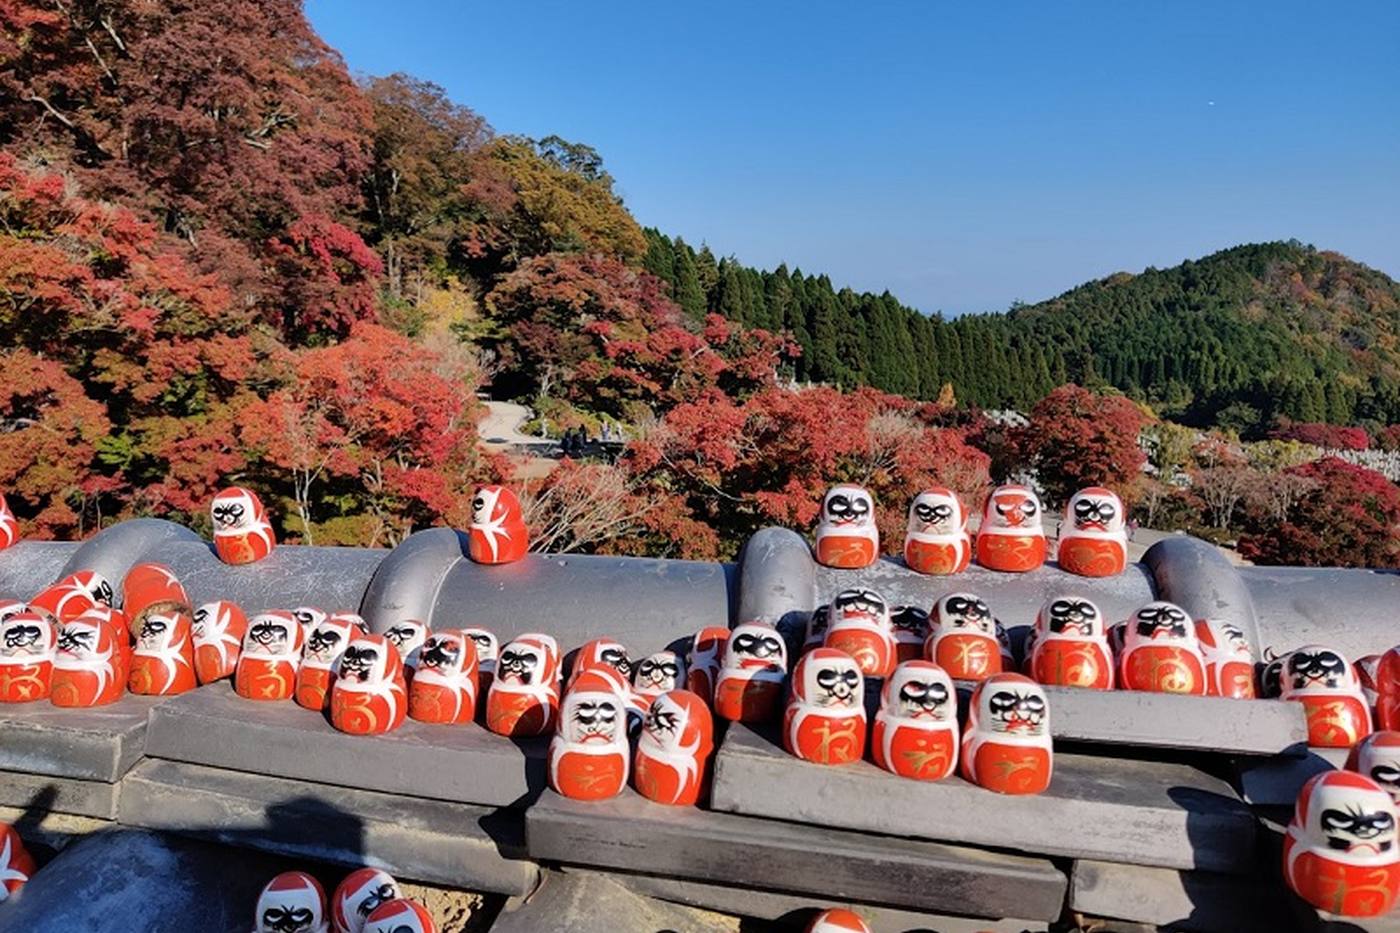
149 588
293 902
1161 653
860 626
846 536
1011 538
73 596
962 638
1387 682
674 748
28 643
218 632
9 527
242 533
400 916
16 864
1378 757
602 652
589 757
325 643
90 666
487 650
825 718
497 534
444 689
162 662
1229 660
1093 535
704 661
1006 746
837 920
911 628
524 697
358 895
750 682
1340 853
1323 680
267 665
368 695
658 673
916 728
1071 645
937 541
408 637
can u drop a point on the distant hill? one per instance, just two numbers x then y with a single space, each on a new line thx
1241 337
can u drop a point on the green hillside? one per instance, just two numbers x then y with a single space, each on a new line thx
1244 335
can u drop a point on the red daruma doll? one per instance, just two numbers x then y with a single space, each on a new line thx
1093 535
1378 757
1161 653
445 686
524 697
242 533
937 541
162 663
218 633
589 758
1340 853
825 718
400 916
1071 645
1387 682
750 683
860 626
1229 660
357 896
1006 746
1325 683
28 643
497 534
704 661
1011 539
963 638
369 696
847 536
673 749
916 729
267 666
837 920
89 668
325 643
293 902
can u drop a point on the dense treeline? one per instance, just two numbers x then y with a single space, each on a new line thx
1243 337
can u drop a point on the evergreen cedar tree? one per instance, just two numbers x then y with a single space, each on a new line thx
218 253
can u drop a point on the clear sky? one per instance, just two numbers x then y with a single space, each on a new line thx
962 155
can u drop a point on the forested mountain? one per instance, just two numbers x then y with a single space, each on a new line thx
1244 335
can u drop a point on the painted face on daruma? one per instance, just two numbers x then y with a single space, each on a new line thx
1378 757
678 721
1072 616
1013 708
848 505
965 613
235 509
829 679
591 717
936 512
366 660
1014 507
487 647
1225 637
1096 510
522 663
272 636
1348 814
603 651
754 646
1317 668
327 640
159 631
359 894
859 605
910 623
293 902
495 506
444 652
407 636
920 690
1161 622
27 635
659 672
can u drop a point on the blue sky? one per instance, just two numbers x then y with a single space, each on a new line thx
961 155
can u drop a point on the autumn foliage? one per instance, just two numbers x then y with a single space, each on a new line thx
1350 517
1077 438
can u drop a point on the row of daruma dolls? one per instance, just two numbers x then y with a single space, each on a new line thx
368 900
1093 536
243 534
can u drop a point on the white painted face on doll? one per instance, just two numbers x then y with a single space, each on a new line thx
833 683
865 606
270 636
407 636
755 647
965 614
1163 623
1014 709
444 652
935 513
1013 507
849 506
592 717
1096 510
659 672
1317 669
1073 616
157 632
521 664
365 661
1351 820
922 692
487 648
234 510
